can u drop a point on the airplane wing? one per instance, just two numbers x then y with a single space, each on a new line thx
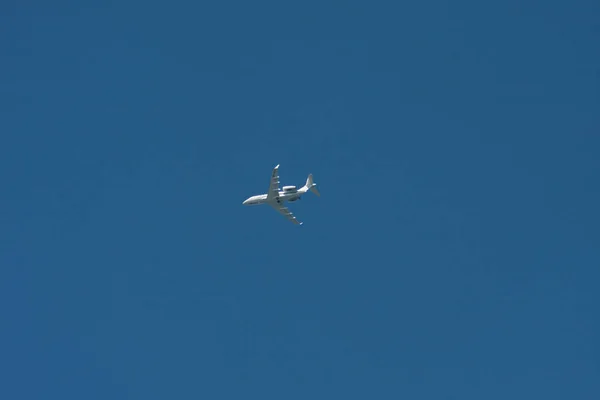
283 210
274 186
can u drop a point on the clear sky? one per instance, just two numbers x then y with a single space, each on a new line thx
454 252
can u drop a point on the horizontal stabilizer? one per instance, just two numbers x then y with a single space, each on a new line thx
310 184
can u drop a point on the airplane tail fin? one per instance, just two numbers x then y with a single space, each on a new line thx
311 185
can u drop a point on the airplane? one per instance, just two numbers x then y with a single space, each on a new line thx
276 197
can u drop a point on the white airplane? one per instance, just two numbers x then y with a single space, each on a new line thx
276 198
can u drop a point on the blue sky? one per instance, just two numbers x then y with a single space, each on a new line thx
453 253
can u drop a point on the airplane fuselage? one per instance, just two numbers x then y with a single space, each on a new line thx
282 197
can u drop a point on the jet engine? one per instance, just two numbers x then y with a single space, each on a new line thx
290 189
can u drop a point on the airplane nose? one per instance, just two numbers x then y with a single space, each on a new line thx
245 202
